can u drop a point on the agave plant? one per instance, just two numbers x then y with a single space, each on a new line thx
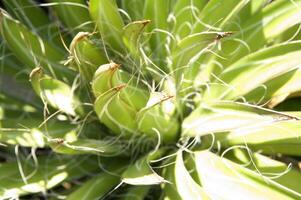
150 99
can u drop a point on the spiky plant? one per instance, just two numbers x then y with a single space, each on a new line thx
150 99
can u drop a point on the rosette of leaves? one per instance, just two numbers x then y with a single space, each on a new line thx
150 99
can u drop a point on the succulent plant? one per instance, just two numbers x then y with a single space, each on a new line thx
150 99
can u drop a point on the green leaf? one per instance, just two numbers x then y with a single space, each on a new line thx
181 185
115 113
184 12
259 29
292 104
217 14
30 49
187 52
95 188
192 45
34 17
100 185
277 90
133 8
18 91
253 34
87 146
38 177
74 14
141 173
86 55
136 193
226 116
109 22
281 137
222 178
157 117
14 108
250 9
282 173
54 92
28 132
253 71
132 33
157 12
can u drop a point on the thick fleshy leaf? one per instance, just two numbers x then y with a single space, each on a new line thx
136 193
257 69
254 33
157 12
226 116
28 133
133 8
185 12
14 108
115 113
74 14
132 33
30 49
106 15
182 185
251 8
216 14
54 92
141 173
87 146
102 184
157 117
275 18
86 55
282 173
281 137
18 91
223 179
38 177
95 188
187 52
34 17
193 45
278 89
289 105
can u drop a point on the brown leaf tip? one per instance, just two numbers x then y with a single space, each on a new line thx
221 35
35 72
119 87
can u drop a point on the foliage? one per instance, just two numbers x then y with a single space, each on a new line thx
150 99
